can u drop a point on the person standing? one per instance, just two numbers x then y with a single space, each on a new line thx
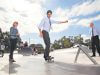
44 29
13 40
95 40
1 35
2 45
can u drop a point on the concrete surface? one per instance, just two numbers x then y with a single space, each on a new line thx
63 65
4 65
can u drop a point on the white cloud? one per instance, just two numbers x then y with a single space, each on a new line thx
87 8
84 9
86 21
30 12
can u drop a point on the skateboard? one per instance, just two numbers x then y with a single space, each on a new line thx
50 59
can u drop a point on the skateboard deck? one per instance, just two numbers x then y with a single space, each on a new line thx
51 59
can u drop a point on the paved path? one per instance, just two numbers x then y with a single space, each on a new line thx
36 66
4 65
63 65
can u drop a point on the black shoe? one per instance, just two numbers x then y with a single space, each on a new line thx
50 58
12 60
93 56
45 59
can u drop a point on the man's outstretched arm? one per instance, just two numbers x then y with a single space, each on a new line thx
59 22
66 21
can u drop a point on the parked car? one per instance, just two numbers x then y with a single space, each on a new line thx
39 48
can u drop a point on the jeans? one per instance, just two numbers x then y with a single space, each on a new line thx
46 39
95 44
13 43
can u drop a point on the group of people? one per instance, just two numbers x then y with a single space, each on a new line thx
44 29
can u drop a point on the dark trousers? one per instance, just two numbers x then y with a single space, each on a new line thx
46 39
13 43
95 44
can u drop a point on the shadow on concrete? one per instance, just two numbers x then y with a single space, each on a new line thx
0 56
5 69
74 52
60 68
12 68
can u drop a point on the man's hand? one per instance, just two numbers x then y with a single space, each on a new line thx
18 34
41 34
64 21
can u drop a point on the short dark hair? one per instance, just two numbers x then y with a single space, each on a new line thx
49 11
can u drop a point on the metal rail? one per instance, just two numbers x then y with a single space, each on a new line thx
83 49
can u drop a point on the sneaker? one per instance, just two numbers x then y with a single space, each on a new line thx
93 56
12 60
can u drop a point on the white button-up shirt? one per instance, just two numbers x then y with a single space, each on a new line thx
46 24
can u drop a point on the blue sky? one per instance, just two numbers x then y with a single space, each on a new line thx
30 12
73 30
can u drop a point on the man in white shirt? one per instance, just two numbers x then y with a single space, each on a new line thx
95 40
44 29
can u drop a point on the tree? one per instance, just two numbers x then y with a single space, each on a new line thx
62 43
56 45
67 43
1 35
6 41
78 39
